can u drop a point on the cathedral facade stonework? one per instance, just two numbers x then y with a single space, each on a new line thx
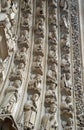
41 65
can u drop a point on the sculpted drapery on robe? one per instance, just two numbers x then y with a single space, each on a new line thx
30 112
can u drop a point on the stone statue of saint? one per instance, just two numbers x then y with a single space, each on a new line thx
30 112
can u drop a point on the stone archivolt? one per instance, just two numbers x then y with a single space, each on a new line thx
40 65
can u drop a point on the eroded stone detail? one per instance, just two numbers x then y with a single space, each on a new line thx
41 84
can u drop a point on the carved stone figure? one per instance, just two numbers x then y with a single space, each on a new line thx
37 58
15 76
48 122
52 60
52 86
39 27
6 5
53 20
20 58
45 122
10 99
25 24
23 45
64 4
50 94
30 111
37 68
40 13
50 104
38 49
39 40
26 8
34 87
52 74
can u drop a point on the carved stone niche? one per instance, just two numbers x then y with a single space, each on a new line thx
3 44
7 123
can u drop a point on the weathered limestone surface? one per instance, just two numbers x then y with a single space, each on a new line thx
41 70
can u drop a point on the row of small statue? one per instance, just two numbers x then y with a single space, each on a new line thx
8 14
34 87
52 34
66 83
23 40
52 47
34 90
66 101
39 22
26 11
39 32
15 78
7 19
52 22
32 103
30 112
49 119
